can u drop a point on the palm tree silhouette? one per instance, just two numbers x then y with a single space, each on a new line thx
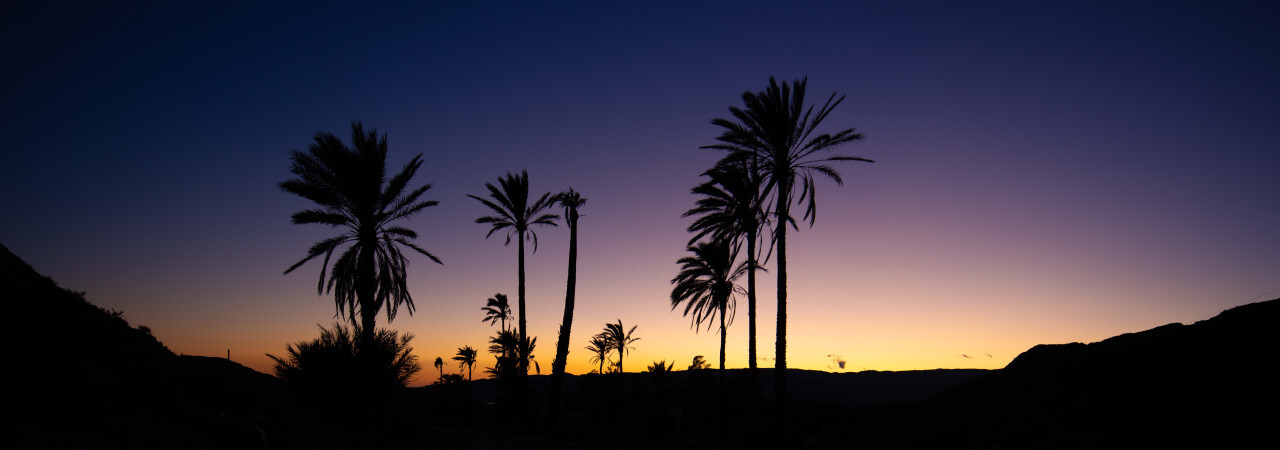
773 132
496 310
440 366
571 201
505 347
466 358
352 191
730 208
619 341
599 346
517 216
706 286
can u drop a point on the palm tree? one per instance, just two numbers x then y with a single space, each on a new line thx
505 347
619 341
773 132
731 209
706 285
517 216
352 191
497 309
440 366
599 347
571 201
466 358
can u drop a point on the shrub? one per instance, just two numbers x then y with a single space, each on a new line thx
337 364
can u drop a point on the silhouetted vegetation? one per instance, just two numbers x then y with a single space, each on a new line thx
571 200
338 370
515 214
351 188
706 286
730 208
772 134
619 340
497 310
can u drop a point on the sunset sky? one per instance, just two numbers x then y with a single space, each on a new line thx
1044 174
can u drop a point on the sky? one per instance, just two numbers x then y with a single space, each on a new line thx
1043 173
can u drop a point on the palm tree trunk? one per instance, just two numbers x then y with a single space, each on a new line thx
566 324
524 362
367 290
751 301
780 365
723 305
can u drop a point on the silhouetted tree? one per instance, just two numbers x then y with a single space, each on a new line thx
773 132
440 366
706 286
516 215
497 309
337 367
571 201
730 208
505 347
599 348
618 340
351 188
466 358
699 363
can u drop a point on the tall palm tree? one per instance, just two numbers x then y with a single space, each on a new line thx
599 347
440 366
466 358
706 286
497 309
515 214
350 186
618 340
731 208
774 132
571 201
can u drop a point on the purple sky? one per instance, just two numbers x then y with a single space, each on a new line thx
1044 174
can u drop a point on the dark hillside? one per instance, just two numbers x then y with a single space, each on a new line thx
1211 384
81 376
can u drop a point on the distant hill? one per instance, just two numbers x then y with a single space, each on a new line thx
83 377
1212 384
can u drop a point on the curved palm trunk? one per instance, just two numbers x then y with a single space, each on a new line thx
566 323
780 366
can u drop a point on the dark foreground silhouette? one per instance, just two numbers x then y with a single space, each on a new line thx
88 379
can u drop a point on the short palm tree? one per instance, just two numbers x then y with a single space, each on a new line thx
599 347
440 366
618 340
496 310
774 131
514 213
731 209
504 347
351 189
705 285
466 359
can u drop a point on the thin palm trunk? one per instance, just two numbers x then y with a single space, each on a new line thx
780 365
723 306
524 362
751 302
